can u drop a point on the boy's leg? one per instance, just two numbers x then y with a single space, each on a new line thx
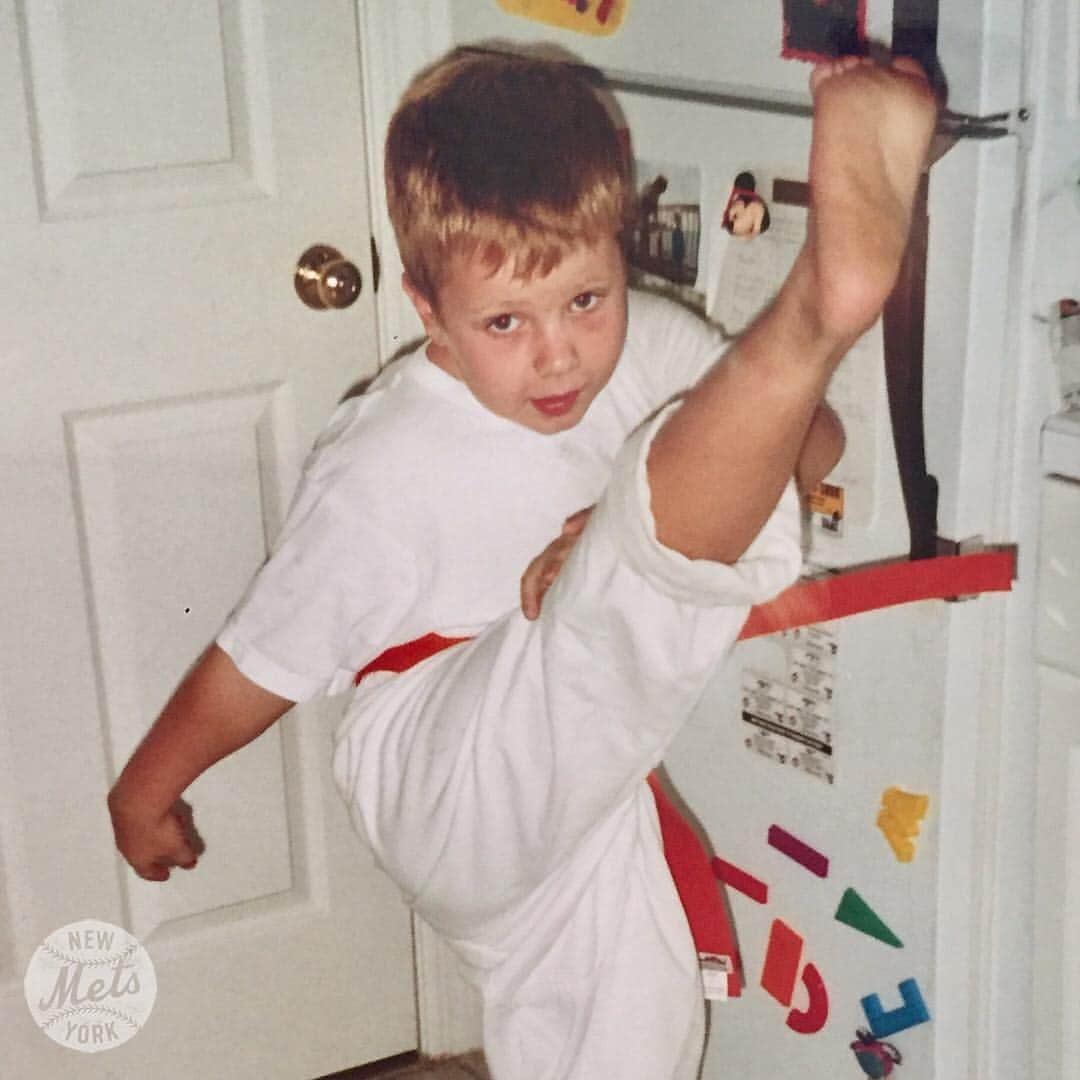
718 467
610 985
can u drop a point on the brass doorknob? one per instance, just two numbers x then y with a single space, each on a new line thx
324 279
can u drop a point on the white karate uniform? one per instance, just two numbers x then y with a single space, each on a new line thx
501 783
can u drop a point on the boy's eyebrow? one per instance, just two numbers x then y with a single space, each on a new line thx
597 284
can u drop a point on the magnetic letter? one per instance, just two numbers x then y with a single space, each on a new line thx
911 1013
817 1010
781 962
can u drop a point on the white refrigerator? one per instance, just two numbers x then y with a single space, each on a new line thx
905 758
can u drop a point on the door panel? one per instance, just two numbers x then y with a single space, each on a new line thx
168 165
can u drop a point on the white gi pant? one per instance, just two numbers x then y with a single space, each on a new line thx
501 784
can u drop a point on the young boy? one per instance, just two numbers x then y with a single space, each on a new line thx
501 782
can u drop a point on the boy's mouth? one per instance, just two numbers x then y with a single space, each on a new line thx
557 405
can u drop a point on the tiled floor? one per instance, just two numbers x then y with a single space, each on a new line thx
466 1067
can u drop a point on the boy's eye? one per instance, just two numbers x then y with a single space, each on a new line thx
502 324
584 301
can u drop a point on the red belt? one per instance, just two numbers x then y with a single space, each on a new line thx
806 602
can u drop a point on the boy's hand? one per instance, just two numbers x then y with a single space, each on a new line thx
215 710
153 843
544 569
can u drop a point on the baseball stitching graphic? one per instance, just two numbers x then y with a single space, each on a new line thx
90 986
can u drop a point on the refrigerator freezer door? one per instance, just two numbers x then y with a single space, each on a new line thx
699 43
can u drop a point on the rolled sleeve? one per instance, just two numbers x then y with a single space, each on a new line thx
771 563
270 675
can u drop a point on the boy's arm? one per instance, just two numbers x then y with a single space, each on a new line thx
215 711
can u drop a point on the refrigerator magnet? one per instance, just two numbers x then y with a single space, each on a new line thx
877 1059
746 214
738 879
811 1019
855 912
782 956
596 17
900 819
912 1012
824 29
809 858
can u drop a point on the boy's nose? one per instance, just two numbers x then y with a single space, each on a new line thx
557 353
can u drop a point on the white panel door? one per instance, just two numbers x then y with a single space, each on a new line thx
163 166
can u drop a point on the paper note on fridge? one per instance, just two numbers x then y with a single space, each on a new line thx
863 517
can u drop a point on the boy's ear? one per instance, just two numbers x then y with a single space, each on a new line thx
424 308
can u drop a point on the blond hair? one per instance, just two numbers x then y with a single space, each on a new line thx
508 157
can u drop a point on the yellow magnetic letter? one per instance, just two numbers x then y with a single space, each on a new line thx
900 819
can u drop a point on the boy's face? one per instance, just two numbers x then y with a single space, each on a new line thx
536 351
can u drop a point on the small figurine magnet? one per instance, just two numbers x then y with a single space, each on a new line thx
746 214
876 1058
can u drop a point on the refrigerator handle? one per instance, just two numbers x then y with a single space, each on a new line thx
903 323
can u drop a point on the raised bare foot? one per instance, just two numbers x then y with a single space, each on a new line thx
872 130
